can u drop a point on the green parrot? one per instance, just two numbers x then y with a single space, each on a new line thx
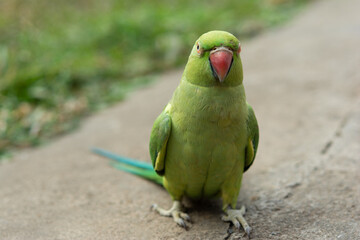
207 135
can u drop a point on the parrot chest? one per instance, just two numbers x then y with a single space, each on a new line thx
208 138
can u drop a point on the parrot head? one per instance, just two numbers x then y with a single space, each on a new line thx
215 61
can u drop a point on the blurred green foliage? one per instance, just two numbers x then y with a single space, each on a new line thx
62 59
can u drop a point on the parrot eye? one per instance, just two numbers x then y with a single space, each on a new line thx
239 49
198 50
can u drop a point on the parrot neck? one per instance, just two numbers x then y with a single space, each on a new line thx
225 105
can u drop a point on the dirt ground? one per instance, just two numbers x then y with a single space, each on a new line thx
303 80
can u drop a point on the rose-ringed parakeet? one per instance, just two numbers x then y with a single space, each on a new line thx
206 136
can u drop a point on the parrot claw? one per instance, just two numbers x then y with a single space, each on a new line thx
175 212
236 217
180 222
185 216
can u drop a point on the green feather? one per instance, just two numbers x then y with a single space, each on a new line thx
144 173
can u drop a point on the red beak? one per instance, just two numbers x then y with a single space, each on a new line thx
221 62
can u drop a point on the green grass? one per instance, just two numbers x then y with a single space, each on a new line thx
61 60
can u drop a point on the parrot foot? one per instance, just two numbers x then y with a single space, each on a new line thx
236 217
174 212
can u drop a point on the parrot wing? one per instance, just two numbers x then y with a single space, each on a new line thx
158 140
253 133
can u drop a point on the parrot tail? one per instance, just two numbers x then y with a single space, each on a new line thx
142 169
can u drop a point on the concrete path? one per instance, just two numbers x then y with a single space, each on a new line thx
303 80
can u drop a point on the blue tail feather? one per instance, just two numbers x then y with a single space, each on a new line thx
122 159
139 168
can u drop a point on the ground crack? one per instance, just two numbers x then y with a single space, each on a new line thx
337 134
